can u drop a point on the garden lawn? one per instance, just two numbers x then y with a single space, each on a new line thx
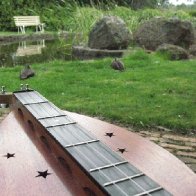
152 91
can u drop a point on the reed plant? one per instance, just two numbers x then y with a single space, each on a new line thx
84 18
69 15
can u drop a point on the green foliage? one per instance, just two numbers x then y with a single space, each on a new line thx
134 4
84 18
9 8
70 16
54 14
192 13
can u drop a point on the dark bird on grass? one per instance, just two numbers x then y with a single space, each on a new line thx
26 72
117 65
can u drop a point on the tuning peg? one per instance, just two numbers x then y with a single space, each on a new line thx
3 90
22 87
27 87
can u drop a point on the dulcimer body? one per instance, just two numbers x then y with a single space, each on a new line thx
47 151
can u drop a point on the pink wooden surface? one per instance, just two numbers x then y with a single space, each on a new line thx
154 161
17 175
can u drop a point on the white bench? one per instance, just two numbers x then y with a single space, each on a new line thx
24 21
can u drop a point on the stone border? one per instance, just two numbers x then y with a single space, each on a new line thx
81 52
181 146
32 37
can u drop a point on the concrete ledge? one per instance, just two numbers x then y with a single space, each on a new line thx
80 52
32 37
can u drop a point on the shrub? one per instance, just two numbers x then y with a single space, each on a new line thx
192 13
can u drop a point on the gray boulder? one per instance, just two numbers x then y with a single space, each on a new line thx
157 31
192 50
26 72
173 52
109 33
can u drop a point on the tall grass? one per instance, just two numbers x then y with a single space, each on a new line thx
70 16
84 18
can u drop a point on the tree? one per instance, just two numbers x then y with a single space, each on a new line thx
139 4
135 4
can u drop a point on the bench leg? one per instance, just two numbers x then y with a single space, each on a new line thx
22 28
41 27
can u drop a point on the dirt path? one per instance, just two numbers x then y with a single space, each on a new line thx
182 147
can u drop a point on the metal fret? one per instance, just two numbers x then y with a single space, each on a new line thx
48 117
149 191
64 124
30 96
35 103
81 143
107 166
123 179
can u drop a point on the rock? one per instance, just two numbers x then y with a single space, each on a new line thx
117 65
27 72
109 33
192 50
174 52
157 31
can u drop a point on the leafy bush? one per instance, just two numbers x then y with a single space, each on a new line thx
192 13
71 16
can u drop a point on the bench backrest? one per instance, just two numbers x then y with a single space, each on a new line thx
27 20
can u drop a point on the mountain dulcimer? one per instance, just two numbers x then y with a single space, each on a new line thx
47 151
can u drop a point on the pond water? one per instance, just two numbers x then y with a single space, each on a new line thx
29 52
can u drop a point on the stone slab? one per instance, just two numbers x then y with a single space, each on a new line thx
80 52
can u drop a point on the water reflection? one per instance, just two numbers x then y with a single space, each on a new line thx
28 52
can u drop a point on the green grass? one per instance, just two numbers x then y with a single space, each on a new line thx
7 33
152 91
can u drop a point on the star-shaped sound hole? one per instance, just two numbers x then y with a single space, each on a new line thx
43 174
122 150
9 155
110 134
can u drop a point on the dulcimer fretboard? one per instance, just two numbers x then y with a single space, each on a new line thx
106 167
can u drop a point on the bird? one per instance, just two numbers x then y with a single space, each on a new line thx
117 65
26 72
